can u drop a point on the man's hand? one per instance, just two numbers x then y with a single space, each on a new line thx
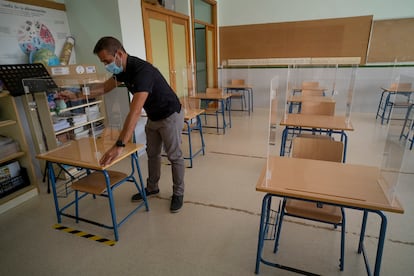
67 95
110 155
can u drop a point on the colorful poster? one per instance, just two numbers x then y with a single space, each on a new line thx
30 34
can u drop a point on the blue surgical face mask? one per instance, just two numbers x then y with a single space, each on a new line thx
113 68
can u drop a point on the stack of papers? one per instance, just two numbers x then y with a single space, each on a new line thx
79 119
60 123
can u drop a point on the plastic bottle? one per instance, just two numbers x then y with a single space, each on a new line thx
67 50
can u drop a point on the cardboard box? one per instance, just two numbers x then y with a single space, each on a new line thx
76 73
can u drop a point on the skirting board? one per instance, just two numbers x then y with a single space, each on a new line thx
18 200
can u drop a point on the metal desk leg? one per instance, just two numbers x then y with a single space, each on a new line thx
260 243
381 240
111 204
379 105
283 142
223 114
52 179
251 95
190 148
344 138
229 103
139 186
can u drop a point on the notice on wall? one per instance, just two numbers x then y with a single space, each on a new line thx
32 34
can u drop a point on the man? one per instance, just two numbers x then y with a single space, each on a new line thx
165 117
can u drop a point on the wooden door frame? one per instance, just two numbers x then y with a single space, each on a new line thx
215 36
170 16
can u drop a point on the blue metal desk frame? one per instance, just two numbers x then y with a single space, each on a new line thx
407 127
198 127
386 105
264 218
223 102
109 194
244 89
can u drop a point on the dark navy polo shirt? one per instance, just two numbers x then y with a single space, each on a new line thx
142 76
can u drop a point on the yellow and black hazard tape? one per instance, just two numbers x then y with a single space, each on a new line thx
84 235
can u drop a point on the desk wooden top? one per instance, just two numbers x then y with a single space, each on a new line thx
316 88
238 86
299 99
86 153
218 96
317 121
401 90
329 182
192 113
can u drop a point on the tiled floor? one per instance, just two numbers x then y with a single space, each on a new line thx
216 231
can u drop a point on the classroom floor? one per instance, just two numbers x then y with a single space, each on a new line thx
216 231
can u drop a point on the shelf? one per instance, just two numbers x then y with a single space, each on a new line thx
4 94
12 156
11 126
76 107
7 123
80 125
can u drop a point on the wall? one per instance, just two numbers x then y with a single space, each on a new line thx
239 12
368 83
368 80
88 21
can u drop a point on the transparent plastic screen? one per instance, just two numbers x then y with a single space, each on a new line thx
67 109
398 156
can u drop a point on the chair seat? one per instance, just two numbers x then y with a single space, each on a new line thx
95 183
211 110
326 213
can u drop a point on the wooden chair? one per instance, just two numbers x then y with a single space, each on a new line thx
398 95
312 92
310 84
212 108
307 89
318 108
192 121
239 92
318 149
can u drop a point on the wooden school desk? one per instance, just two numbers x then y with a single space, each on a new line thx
245 88
297 100
386 104
85 153
306 122
224 101
346 185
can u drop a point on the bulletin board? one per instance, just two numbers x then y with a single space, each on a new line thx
392 40
340 37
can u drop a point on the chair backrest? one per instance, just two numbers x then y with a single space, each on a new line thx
310 84
402 86
317 149
318 108
190 103
237 82
312 92
211 90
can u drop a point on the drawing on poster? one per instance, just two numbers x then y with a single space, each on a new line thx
36 40
32 34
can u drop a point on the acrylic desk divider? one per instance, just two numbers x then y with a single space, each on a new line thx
68 110
311 82
397 157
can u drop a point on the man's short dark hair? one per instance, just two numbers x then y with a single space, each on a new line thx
108 43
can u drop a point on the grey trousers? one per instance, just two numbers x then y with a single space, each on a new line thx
167 133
